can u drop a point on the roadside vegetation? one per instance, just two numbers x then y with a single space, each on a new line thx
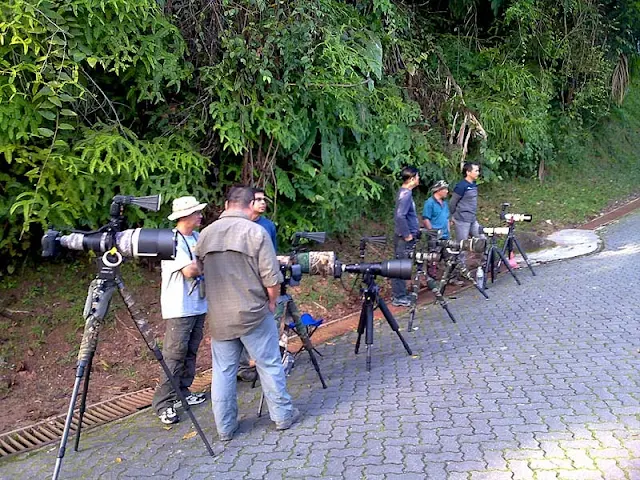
318 102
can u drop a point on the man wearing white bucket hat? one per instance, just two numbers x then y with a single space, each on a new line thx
183 307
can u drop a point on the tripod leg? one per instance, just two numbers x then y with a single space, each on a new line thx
96 306
145 330
415 287
369 331
67 424
504 260
468 275
361 326
433 286
490 267
393 324
261 404
83 402
524 255
446 276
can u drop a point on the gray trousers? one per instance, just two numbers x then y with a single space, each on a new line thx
179 349
463 230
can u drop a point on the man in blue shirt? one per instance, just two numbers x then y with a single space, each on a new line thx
405 230
435 215
246 372
259 207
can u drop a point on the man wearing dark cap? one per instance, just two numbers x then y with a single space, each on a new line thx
435 215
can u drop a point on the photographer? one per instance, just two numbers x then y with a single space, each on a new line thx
246 372
464 205
239 255
435 215
405 230
184 309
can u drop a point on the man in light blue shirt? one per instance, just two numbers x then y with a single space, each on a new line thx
183 308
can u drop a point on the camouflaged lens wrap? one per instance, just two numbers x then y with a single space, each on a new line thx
138 317
278 315
317 263
96 307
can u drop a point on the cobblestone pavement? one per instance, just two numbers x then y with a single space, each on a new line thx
540 381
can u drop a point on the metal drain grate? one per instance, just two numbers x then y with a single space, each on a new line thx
50 431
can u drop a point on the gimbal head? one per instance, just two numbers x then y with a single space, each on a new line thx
514 217
376 240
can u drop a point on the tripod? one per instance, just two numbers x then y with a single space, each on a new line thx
431 285
452 263
491 259
97 304
286 308
371 297
510 241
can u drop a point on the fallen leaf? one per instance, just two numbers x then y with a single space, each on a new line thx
189 435
167 428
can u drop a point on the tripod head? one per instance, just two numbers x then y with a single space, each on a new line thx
510 218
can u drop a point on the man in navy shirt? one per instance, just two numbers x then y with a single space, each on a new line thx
405 231
464 205
259 207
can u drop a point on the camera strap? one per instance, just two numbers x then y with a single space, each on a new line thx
194 234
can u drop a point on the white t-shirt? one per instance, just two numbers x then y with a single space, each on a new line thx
175 300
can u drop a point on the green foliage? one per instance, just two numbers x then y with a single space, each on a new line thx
299 97
319 102
70 74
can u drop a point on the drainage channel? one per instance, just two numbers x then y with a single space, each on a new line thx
50 430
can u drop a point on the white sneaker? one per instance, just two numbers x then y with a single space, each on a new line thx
168 416
192 399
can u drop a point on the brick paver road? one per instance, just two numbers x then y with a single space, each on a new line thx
539 382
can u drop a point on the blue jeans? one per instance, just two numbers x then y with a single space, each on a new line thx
262 345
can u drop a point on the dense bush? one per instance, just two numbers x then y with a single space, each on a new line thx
318 101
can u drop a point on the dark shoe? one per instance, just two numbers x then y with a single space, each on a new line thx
248 375
401 302
286 424
169 416
192 399
227 437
